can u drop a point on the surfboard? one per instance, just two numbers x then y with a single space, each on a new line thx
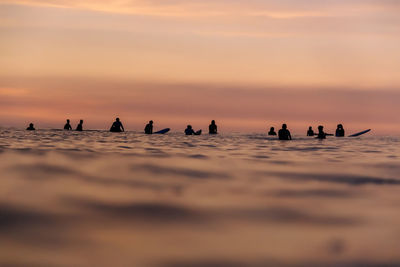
198 132
360 133
163 131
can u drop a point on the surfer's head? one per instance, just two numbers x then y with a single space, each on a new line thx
81 121
189 126
284 126
320 128
117 119
151 122
340 126
310 128
67 121
213 122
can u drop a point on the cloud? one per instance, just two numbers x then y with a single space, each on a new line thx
189 8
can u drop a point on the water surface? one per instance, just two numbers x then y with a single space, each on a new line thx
127 199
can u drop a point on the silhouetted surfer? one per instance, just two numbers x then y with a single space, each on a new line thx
117 126
284 133
212 129
310 131
67 126
149 128
30 128
321 134
339 131
272 131
189 130
80 126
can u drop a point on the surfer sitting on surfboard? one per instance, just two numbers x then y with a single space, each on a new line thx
189 130
79 127
284 133
212 129
67 126
149 128
272 131
117 126
321 134
340 131
31 127
310 131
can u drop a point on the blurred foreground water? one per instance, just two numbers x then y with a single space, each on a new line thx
127 199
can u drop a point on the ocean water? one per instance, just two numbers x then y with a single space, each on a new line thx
127 199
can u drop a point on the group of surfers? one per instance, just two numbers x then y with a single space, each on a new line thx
117 126
283 134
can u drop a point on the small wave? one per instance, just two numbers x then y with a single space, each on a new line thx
42 170
125 147
149 212
198 156
234 262
261 157
350 179
311 193
189 173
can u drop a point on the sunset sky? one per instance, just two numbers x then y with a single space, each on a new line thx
249 64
